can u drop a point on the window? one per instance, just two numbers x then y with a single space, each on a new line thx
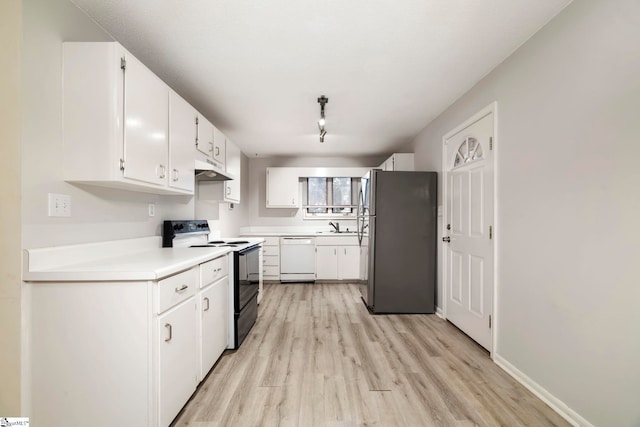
469 151
330 197
317 195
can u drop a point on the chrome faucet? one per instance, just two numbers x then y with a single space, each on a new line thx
335 226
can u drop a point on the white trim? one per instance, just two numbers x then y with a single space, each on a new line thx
543 394
440 313
489 109
496 235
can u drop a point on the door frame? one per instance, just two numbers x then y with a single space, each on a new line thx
489 109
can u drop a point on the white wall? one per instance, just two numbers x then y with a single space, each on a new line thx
224 219
10 211
568 201
96 213
259 215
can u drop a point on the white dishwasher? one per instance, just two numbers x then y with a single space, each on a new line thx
297 259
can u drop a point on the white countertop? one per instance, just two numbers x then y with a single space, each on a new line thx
301 233
126 260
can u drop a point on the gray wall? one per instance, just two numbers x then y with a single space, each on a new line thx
567 206
259 215
97 213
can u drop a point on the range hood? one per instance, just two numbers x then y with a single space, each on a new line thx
207 170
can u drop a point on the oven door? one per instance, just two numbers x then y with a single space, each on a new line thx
248 278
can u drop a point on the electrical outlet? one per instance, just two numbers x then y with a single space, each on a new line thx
59 204
152 209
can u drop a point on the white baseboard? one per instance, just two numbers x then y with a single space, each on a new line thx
556 404
439 313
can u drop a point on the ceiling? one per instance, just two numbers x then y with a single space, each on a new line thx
256 68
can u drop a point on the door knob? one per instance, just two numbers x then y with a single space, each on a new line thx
446 239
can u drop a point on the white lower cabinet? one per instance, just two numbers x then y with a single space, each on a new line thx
348 262
337 258
326 262
214 314
177 359
138 348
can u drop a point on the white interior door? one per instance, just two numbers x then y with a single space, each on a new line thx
469 228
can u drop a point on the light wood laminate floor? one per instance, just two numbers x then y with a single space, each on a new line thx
316 357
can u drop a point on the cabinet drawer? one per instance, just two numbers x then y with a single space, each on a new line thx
213 270
271 250
271 260
272 241
271 270
175 289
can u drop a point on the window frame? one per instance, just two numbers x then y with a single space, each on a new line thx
330 214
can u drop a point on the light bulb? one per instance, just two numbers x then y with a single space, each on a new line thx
321 122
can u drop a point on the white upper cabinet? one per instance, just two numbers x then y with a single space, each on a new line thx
182 137
399 162
204 136
282 188
219 147
146 102
229 190
233 164
116 120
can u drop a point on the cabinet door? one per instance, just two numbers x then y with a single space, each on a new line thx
326 262
219 147
146 122
282 188
177 359
182 137
214 311
349 262
204 136
233 166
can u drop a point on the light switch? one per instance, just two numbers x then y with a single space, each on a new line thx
59 204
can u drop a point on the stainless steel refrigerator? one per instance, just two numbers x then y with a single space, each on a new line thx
397 221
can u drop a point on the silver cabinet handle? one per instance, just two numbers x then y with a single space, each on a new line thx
182 288
207 300
170 328
217 151
176 175
197 131
211 146
163 171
